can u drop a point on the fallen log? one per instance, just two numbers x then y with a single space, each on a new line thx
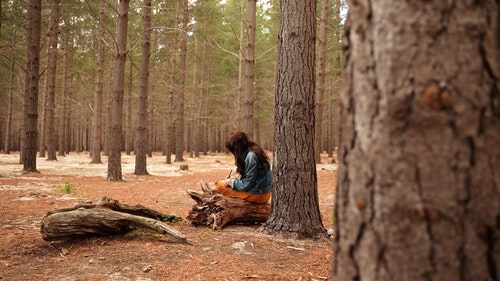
106 217
215 210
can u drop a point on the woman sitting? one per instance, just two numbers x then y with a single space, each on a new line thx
253 166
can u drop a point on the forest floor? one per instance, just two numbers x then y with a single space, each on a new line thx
237 252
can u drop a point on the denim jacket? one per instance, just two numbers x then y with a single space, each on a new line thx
256 177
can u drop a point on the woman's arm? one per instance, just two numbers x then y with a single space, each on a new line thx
249 177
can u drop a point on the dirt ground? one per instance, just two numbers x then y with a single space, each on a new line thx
237 252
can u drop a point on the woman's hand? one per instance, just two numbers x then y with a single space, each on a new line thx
228 182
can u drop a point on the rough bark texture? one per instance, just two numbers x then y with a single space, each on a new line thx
8 122
419 185
215 210
99 86
114 159
106 217
179 118
50 131
142 114
295 207
248 99
320 94
31 84
62 100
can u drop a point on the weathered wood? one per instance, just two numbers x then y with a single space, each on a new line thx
106 217
216 210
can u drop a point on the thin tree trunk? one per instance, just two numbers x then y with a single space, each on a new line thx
240 98
179 120
51 87
200 132
418 182
97 114
321 80
107 116
142 114
114 159
62 102
151 130
8 122
32 79
68 131
129 140
248 100
42 124
169 138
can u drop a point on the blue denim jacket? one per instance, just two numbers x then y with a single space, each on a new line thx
256 177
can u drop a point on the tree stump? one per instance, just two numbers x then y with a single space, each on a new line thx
106 217
215 210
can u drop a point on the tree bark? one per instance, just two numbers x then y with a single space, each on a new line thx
170 130
50 131
106 217
129 140
215 210
8 122
97 114
418 184
142 114
31 82
114 159
320 94
295 204
62 101
248 100
179 118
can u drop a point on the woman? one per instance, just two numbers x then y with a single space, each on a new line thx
253 166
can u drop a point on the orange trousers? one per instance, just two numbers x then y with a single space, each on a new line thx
229 192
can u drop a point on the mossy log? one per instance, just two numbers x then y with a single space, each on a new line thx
215 210
106 217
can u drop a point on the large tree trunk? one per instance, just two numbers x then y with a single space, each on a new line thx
141 149
50 131
32 79
295 206
418 184
106 217
97 114
114 159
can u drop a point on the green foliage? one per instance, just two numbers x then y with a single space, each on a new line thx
216 37
171 218
68 188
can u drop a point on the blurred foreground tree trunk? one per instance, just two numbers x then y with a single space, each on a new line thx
418 193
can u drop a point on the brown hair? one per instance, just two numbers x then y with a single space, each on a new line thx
239 144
